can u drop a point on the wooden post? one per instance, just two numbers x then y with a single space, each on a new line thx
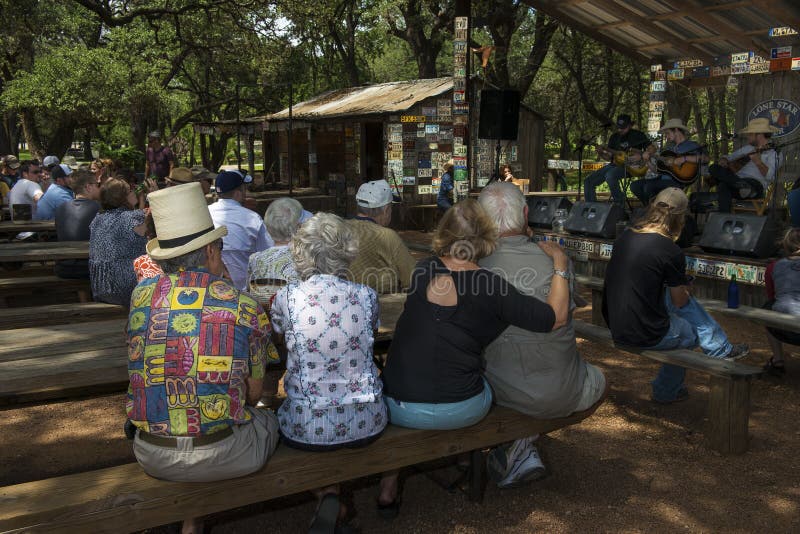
313 169
728 414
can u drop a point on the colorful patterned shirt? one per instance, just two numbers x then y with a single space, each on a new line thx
193 339
333 392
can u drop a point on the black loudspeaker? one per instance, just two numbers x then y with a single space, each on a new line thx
740 235
597 219
541 210
499 117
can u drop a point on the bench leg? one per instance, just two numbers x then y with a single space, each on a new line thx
728 414
597 308
477 475
84 296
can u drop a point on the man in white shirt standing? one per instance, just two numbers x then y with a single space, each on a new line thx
759 166
246 231
27 190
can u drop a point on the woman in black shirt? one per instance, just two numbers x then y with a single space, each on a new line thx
433 376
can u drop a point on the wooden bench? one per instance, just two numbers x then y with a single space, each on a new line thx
60 361
729 387
43 285
52 314
125 499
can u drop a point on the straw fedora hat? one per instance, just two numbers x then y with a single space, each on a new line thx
674 123
181 175
182 221
759 125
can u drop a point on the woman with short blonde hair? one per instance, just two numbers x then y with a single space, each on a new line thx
454 309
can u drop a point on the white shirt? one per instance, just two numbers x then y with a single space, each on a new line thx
246 235
24 192
750 170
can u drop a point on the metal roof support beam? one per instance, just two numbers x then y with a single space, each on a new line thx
783 10
721 26
552 8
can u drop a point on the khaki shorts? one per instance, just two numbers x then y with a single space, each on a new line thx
593 386
242 453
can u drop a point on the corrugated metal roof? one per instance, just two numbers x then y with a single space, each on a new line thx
670 30
378 99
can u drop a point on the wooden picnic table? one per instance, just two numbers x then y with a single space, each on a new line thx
13 228
55 361
47 251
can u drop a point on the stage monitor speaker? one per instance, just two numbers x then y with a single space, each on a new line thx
499 118
541 210
739 235
596 219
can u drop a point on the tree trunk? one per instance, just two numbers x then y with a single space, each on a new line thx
9 133
722 119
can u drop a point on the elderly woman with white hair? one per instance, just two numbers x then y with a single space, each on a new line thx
271 269
334 396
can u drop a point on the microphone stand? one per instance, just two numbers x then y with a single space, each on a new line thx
579 146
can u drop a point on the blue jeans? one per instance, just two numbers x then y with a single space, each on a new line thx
442 416
645 189
793 200
611 174
689 327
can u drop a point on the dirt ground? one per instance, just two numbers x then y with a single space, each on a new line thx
633 467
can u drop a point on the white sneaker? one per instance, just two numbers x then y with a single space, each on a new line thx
515 464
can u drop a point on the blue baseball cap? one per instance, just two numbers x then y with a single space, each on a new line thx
230 180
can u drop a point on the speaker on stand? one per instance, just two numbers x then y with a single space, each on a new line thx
595 219
499 119
541 210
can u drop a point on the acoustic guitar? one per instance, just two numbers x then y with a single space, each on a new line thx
631 159
736 165
685 173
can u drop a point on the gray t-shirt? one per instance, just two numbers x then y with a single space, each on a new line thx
540 374
24 192
786 275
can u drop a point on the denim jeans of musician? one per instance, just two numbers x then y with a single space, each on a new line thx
689 327
646 189
793 201
441 416
610 174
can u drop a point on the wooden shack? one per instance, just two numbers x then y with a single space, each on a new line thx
400 131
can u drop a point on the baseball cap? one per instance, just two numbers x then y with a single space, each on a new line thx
11 162
624 120
230 180
674 199
60 171
50 161
374 194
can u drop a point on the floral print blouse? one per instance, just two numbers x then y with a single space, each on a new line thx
334 394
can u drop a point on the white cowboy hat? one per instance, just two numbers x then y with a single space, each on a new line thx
674 123
182 221
759 125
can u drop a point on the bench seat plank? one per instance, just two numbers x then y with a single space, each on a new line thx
26 283
52 314
47 341
124 498
682 358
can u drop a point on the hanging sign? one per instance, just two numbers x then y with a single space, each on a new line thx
701 72
742 57
658 86
412 118
688 63
784 63
759 68
424 190
675 74
796 63
740 68
781 52
783 31
782 114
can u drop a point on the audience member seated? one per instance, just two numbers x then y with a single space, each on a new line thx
271 269
247 233
178 176
9 172
793 202
333 392
117 237
454 310
103 169
27 191
537 373
783 294
74 218
204 177
647 300
58 193
48 164
193 425
383 262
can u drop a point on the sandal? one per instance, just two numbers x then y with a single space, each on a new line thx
774 369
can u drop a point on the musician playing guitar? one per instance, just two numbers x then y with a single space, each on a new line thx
746 173
682 151
624 139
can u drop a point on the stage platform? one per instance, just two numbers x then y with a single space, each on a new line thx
712 271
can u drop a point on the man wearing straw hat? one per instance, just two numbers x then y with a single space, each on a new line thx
197 351
753 179
676 137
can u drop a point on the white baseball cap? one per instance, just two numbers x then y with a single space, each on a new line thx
374 194
50 161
